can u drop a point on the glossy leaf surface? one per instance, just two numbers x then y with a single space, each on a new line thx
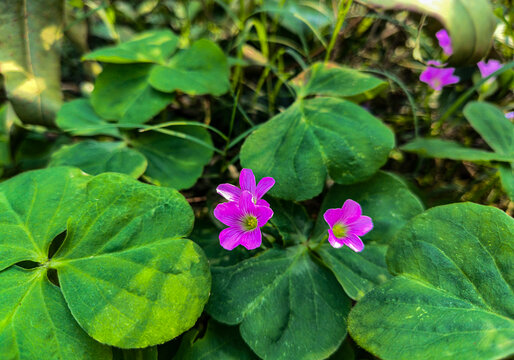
453 298
312 139
80 119
95 157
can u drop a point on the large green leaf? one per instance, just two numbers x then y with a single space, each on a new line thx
283 300
36 324
95 157
507 179
149 353
79 118
313 138
174 161
390 204
153 46
471 24
291 220
126 274
490 122
333 80
34 209
122 93
447 149
201 69
453 298
30 59
218 342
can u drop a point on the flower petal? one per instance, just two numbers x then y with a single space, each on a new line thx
353 242
263 214
230 237
228 213
332 216
229 192
246 204
263 186
351 211
262 202
247 180
362 226
251 239
333 240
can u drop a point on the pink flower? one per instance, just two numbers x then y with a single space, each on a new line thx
346 225
247 182
487 68
510 115
437 77
445 42
244 219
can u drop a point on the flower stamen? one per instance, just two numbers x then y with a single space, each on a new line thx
250 223
340 231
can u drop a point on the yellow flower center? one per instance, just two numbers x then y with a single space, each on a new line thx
339 231
250 222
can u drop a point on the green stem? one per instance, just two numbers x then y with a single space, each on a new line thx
321 242
341 15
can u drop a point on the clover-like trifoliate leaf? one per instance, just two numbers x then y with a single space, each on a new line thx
79 118
36 323
280 299
123 94
126 273
314 138
201 69
34 209
95 157
148 47
219 342
174 161
333 80
453 296
291 220
390 204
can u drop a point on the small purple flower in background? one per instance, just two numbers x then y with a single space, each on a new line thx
437 77
487 68
247 182
346 225
510 115
445 42
244 220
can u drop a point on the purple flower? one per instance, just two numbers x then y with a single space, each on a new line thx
346 225
437 77
247 182
487 68
510 115
445 42
244 219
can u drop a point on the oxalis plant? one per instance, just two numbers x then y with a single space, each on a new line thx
255 179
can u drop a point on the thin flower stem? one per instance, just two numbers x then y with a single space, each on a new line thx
321 242
344 6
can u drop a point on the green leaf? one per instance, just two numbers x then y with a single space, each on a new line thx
95 157
153 46
149 353
447 149
453 296
127 275
218 342
173 161
291 220
36 324
34 209
122 93
490 122
79 118
471 24
283 299
333 80
384 197
507 179
390 204
5 151
198 70
30 58
312 138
